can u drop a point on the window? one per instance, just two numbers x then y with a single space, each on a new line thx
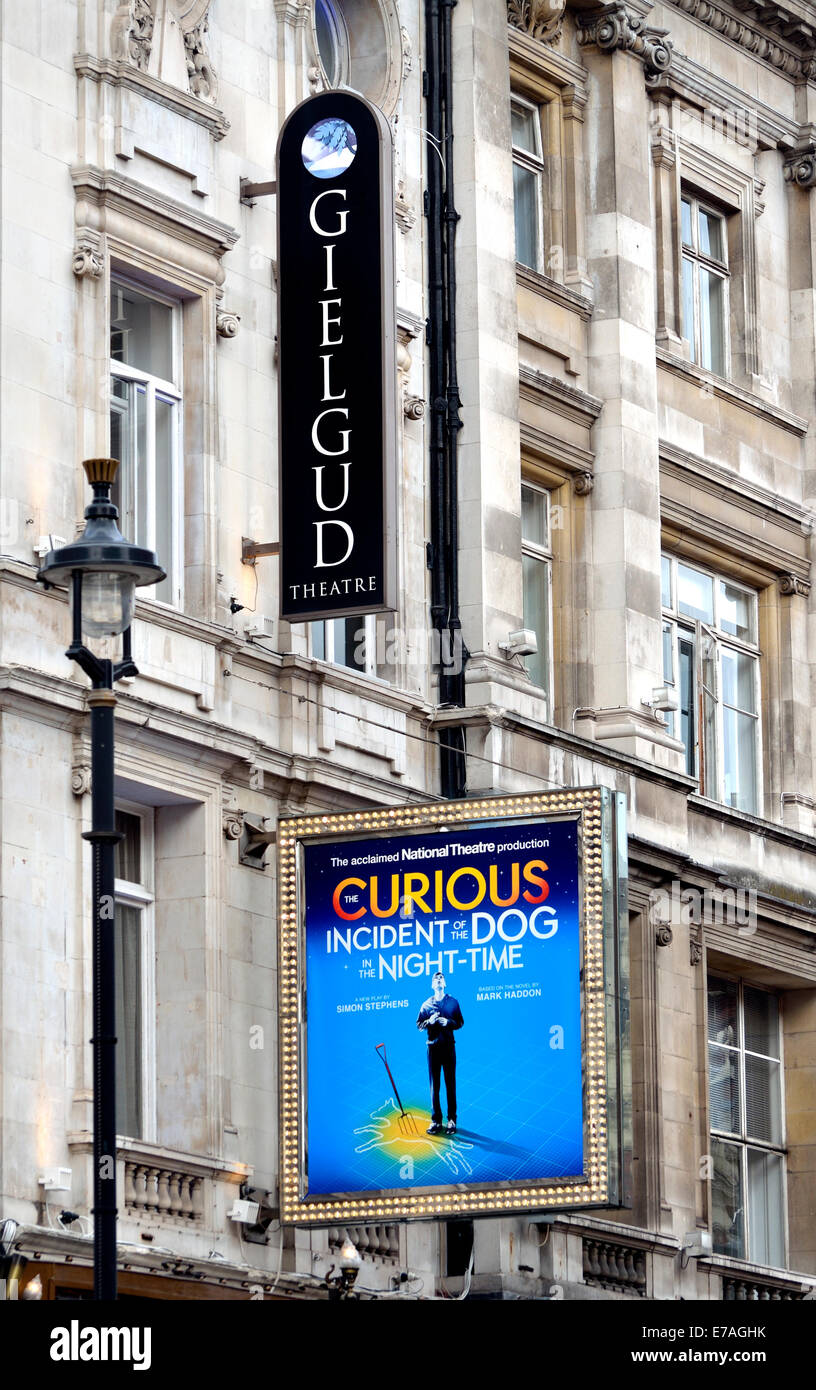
145 426
359 45
745 1088
348 642
332 42
528 174
711 660
536 561
705 284
135 982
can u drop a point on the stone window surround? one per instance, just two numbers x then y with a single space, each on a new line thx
565 469
536 163
680 165
737 556
126 228
742 1141
132 512
154 778
777 959
378 51
144 899
551 80
542 554
723 642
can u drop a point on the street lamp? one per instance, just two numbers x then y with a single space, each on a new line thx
102 571
341 1285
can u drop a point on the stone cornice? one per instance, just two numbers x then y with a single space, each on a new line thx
538 444
554 291
752 121
727 391
739 491
784 36
121 74
695 533
115 192
619 27
564 399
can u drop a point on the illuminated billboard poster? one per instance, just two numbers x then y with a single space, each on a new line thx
450 1007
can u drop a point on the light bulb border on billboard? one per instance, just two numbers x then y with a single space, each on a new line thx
605 1070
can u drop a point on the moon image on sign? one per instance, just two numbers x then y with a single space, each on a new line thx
328 148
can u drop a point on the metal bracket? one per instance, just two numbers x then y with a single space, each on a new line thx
253 550
250 191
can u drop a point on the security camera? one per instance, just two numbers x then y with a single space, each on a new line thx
245 1212
695 1244
663 698
520 643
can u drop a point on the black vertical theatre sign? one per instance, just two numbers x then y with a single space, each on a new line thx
337 360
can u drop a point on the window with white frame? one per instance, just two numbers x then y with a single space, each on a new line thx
747 1132
528 182
348 642
536 563
146 425
705 284
135 975
711 660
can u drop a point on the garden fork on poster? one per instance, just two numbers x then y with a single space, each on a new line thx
407 1123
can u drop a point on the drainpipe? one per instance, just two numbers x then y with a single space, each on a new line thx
445 423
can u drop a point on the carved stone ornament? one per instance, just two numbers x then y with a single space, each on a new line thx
582 484
790 584
168 39
88 259
200 72
403 212
407 51
226 323
800 168
132 32
617 27
664 936
541 19
413 407
695 952
81 779
233 822
795 51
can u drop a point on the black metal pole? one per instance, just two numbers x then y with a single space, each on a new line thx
103 837
444 389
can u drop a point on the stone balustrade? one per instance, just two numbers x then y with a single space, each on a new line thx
611 1265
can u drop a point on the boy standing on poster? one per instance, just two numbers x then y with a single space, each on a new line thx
439 1017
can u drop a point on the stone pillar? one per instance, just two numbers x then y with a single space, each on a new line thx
800 171
292 17
487 340
799 1021
783 620
667 233
621 53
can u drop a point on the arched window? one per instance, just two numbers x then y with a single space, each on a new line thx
359 45
332 42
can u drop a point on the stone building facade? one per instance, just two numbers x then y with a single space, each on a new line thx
636 349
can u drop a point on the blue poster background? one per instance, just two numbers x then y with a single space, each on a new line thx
518 1067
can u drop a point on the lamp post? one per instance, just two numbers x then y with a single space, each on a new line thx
102 571
341 1285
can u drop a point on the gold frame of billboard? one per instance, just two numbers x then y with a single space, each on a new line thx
604 968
